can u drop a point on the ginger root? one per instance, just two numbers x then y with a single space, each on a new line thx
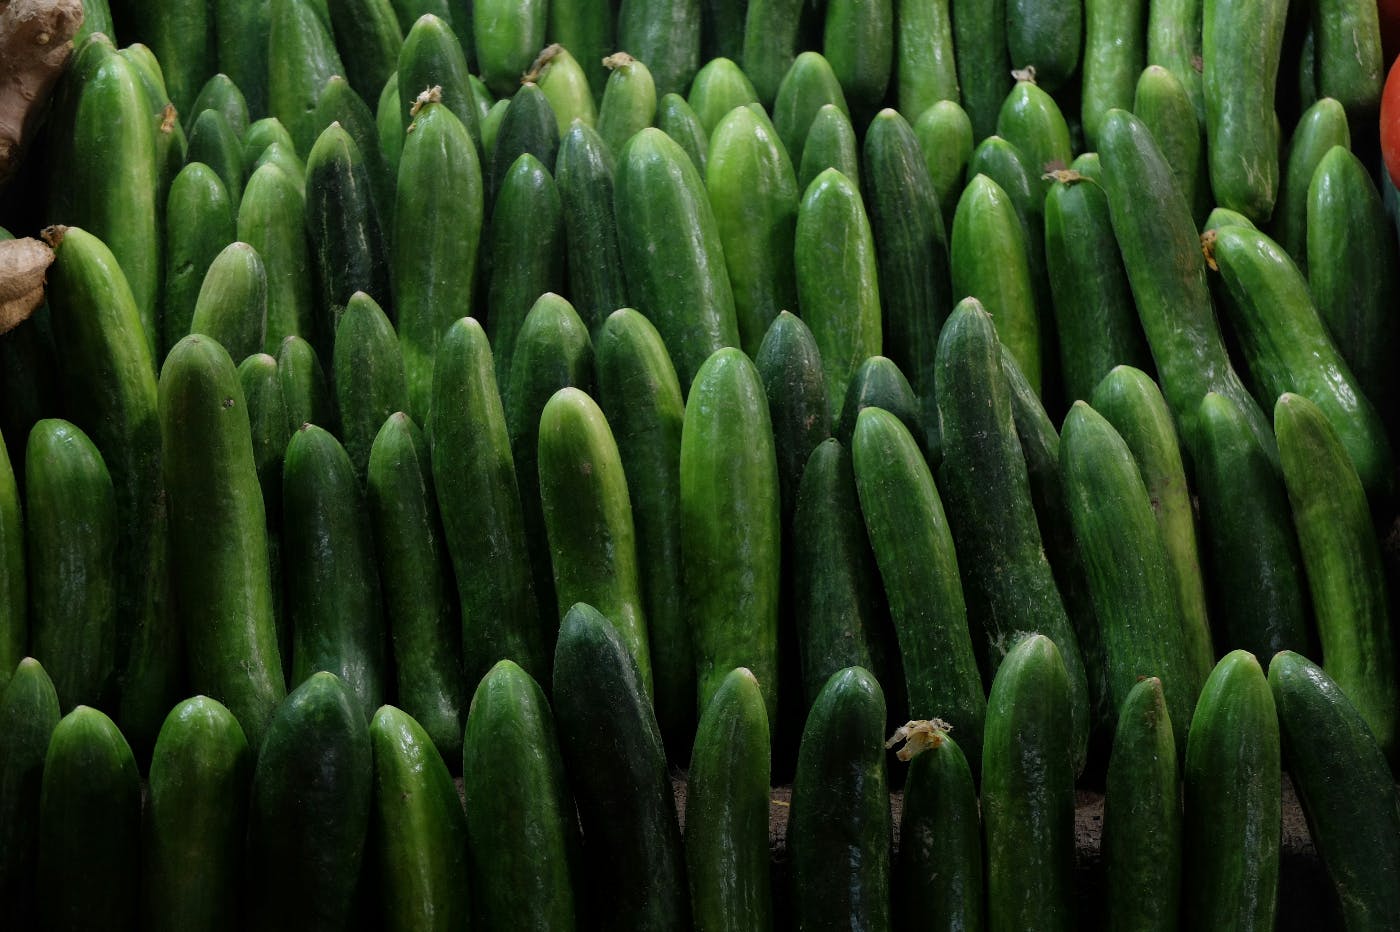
23 264
36 39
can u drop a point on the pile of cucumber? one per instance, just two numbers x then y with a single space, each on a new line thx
451 423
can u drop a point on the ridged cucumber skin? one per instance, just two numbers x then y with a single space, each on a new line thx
583 175
241 45
267 416
718 88
1160 100
1162 255
1322 126
913 548
304 390
432 57
342 225
837 283
1345 788
615 764
858 41
629 100
520 817
72 534
983 61
1031 120
790 365
666 35
1287 348
1142 815
1133 404
878 383
1095 316
1115 52
726 838
1342 563
527 249
528 126
1348 56
218 527
1230 844
1126 564
192 846
671 251
89 827
770 44
301 58
1174 43
232 305
911 245
479 500
565 86
1352 280
14 596
939 861
1241 44
586 29
945 137
1048 37
199 222
753 194
333 596
925 69
809 85
368 374
28 714
368 36
340 104
675 118
214 142
507 36
1009 587
641 397
588 519
309 809
988 262
839 827
419 832
271 220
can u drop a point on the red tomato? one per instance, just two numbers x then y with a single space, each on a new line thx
1390 124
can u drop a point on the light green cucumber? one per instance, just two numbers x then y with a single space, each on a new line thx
770 43
629 100
1115 52
808 85
270 219
925 72
1160 100
432 57
945 136
675 118
507 34
564 85
858 41
666 35
718 88
585 28
1322 126
232 304
831 143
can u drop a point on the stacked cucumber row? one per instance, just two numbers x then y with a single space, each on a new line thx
554 396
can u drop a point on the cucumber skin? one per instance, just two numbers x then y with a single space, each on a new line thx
301 57
628 104
666 35
528 126
586 28
1349 59
925 66
241 34
368 375
1322 126
718 88
944 132
29 712
432 56
304 389
271 220
1046 35
831 143
583 173
675 118
214 142
790 366
770 43
232 305
199 222
369 38
940 852
1114 55
1162 102
808 85
983 63
858 41
1174 43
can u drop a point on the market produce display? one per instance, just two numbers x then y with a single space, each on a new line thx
464 464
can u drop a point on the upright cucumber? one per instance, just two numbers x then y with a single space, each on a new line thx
28 714
339 103
259 135
925 70
983 63
1047 37
583 174
770 44
565 85
301 57
1348 55
182 37
214 142
1031 120
629 100
878 383
368 35
304 390
666 35
1160 100
718 88
1174 43
432 57
675 118
271 220
830 143
368 374
1114 55
808 85
199 222
858 41
585 28
1322 126
232 305
790 365
241 45
267 417
528 126
14 600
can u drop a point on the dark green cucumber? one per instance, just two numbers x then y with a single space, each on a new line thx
171 142
491 128
182 37
945 136
878 383
718 88
666 35
913 547
368 36
304 389
1342 562
585 28
770 44
309 809
753 193
925 72
1174 43
368 374
480 504
1133 404
616 766
14 598
528 127
1349 61
984 65
831 143
565 86
671 251
1322 126
507 34
241 44
1230 847
89 827
28 714
641 396
72 536
1031 121
333 598
432 57
1114 54
389 123
267 416
301 58
215 143
1160 100
196 813
675 118
790 366
583 174
1345 788
218 527
839 828
232 305
1047 37
270 219
1142 815
629 100
199 222
419 832
339 103
726 838
808 85
527 248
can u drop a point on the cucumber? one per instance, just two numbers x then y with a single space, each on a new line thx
629 100
241 46
221 94
878 383
389 123
97 17
1230 845
839 826
270 219
89 827
72 536
432 57
583 174
831 143
585 27
491 127
613 759
945 136
528 126
309 809
232 304
718 88
192 851
914 550
1160 100
790 366
333 598
420 834
1321 127
980 52
1348 55
1142 816
925 70
1174 43
858 41
666 35
181 35
770 44
214 143
675 118
671 251
29 712
368 36
267 416
1031 121
340 104
304 390
1344 786
808 85
286 159
753 194
199 222
1114 55
726 839
301 58
565 86
1047 37
508 34
368 373
14 601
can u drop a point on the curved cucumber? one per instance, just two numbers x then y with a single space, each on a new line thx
28 714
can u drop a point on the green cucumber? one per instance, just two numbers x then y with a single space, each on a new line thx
831 143
196 811
675 118
340 104
839 827
199 222
878 383
333 598
925 70
1031 121
491 127
585 27
808 85
1349 61
508 34
368 373
718 88
858 41
419 831
72 536
181 35
1230 847
565 86
528 127
432 57
770 44
14 599
89 827
1344 786
1114 55
241 44
1174 43
389 123
97 17
583 173
213 142
521 824
1321 127
301 58
218 527
480 504
726 838
616 766
1142 815
267 416
28 714
368 36
629 100
232 303
1161 102
286 159
666 35
270 219
261 134
945 136
1047 37
671 251
304 389
221 94
790 366
309 809
980 52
